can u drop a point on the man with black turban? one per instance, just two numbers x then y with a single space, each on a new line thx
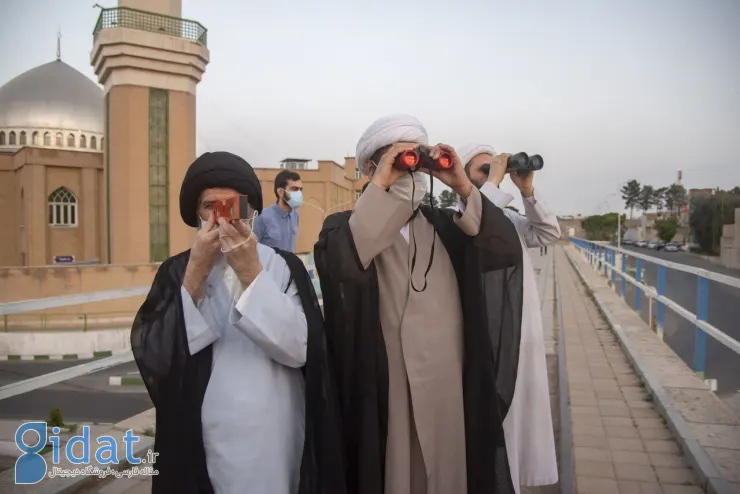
231 347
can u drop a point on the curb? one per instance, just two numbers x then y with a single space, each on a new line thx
125 381
567 469
712 481
66 356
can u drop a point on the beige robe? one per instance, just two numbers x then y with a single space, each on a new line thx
425 452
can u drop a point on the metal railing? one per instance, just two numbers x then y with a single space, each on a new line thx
603 258
151 22
118 358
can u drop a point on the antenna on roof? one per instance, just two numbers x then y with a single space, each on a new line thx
59 44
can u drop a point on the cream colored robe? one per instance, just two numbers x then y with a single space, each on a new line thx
530 442
425 452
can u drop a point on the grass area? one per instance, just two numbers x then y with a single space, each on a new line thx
69 356
41 357
102 354
132 381
14 357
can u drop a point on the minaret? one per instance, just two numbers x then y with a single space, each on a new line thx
149 61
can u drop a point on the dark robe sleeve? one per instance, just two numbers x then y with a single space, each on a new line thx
176 382
322 466
489 273
357 352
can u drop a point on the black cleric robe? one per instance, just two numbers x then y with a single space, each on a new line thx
488 277
177 382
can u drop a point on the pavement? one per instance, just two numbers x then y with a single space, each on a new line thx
621 443
722 363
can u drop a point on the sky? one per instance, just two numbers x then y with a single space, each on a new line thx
605 91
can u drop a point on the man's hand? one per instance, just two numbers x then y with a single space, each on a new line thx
240 247
455 177
202 256
498 169
525 183
386 174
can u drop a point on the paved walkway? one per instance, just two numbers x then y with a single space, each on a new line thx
621 444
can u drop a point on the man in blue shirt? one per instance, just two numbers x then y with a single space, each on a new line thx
277 226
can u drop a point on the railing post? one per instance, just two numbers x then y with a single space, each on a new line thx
624 270
613 262
661 306
700 337
606 254
84 327
638 290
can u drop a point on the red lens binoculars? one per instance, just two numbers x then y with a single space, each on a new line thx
414 159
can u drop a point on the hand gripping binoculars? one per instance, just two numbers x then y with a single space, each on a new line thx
521 163
414 159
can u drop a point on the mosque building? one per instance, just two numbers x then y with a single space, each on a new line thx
90 173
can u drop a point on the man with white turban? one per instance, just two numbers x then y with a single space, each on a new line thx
530 442
419 339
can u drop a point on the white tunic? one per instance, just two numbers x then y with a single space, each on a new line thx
253 410
530 442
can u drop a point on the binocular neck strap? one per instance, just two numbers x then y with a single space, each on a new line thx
413 236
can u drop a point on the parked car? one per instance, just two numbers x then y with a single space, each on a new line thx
641 243
652 245
673 247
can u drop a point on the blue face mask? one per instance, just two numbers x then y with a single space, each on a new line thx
296 199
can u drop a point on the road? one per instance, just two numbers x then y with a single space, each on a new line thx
83 399
723 312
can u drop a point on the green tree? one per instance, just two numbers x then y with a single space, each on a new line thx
736 191
646 198
666 229
631 194
675 199
709 215
55 418
430 200
602 226
447 199
659 198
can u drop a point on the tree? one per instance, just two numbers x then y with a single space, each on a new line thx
675 199
709 215
646 198
602 226
430 200
630 194
666 229
736 191
659 198
447 199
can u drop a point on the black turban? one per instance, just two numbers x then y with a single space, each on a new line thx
213 170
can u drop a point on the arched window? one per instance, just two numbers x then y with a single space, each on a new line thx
93 143
23 137
2 138
59 139
47 139
35 138
62 208
70 141
83 141
11 138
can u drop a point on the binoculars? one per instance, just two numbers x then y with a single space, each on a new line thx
420 158
521 163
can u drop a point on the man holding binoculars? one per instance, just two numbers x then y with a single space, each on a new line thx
419 339
528 429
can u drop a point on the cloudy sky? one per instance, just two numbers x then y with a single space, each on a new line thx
605 91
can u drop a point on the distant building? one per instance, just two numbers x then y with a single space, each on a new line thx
327 189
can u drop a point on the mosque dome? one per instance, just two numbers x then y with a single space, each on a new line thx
53 95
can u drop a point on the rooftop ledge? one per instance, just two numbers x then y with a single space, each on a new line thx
153 23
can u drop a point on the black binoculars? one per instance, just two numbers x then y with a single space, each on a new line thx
521 163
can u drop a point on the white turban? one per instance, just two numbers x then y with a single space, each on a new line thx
470 151
385 131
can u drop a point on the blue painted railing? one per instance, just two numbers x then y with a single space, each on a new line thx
603 257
